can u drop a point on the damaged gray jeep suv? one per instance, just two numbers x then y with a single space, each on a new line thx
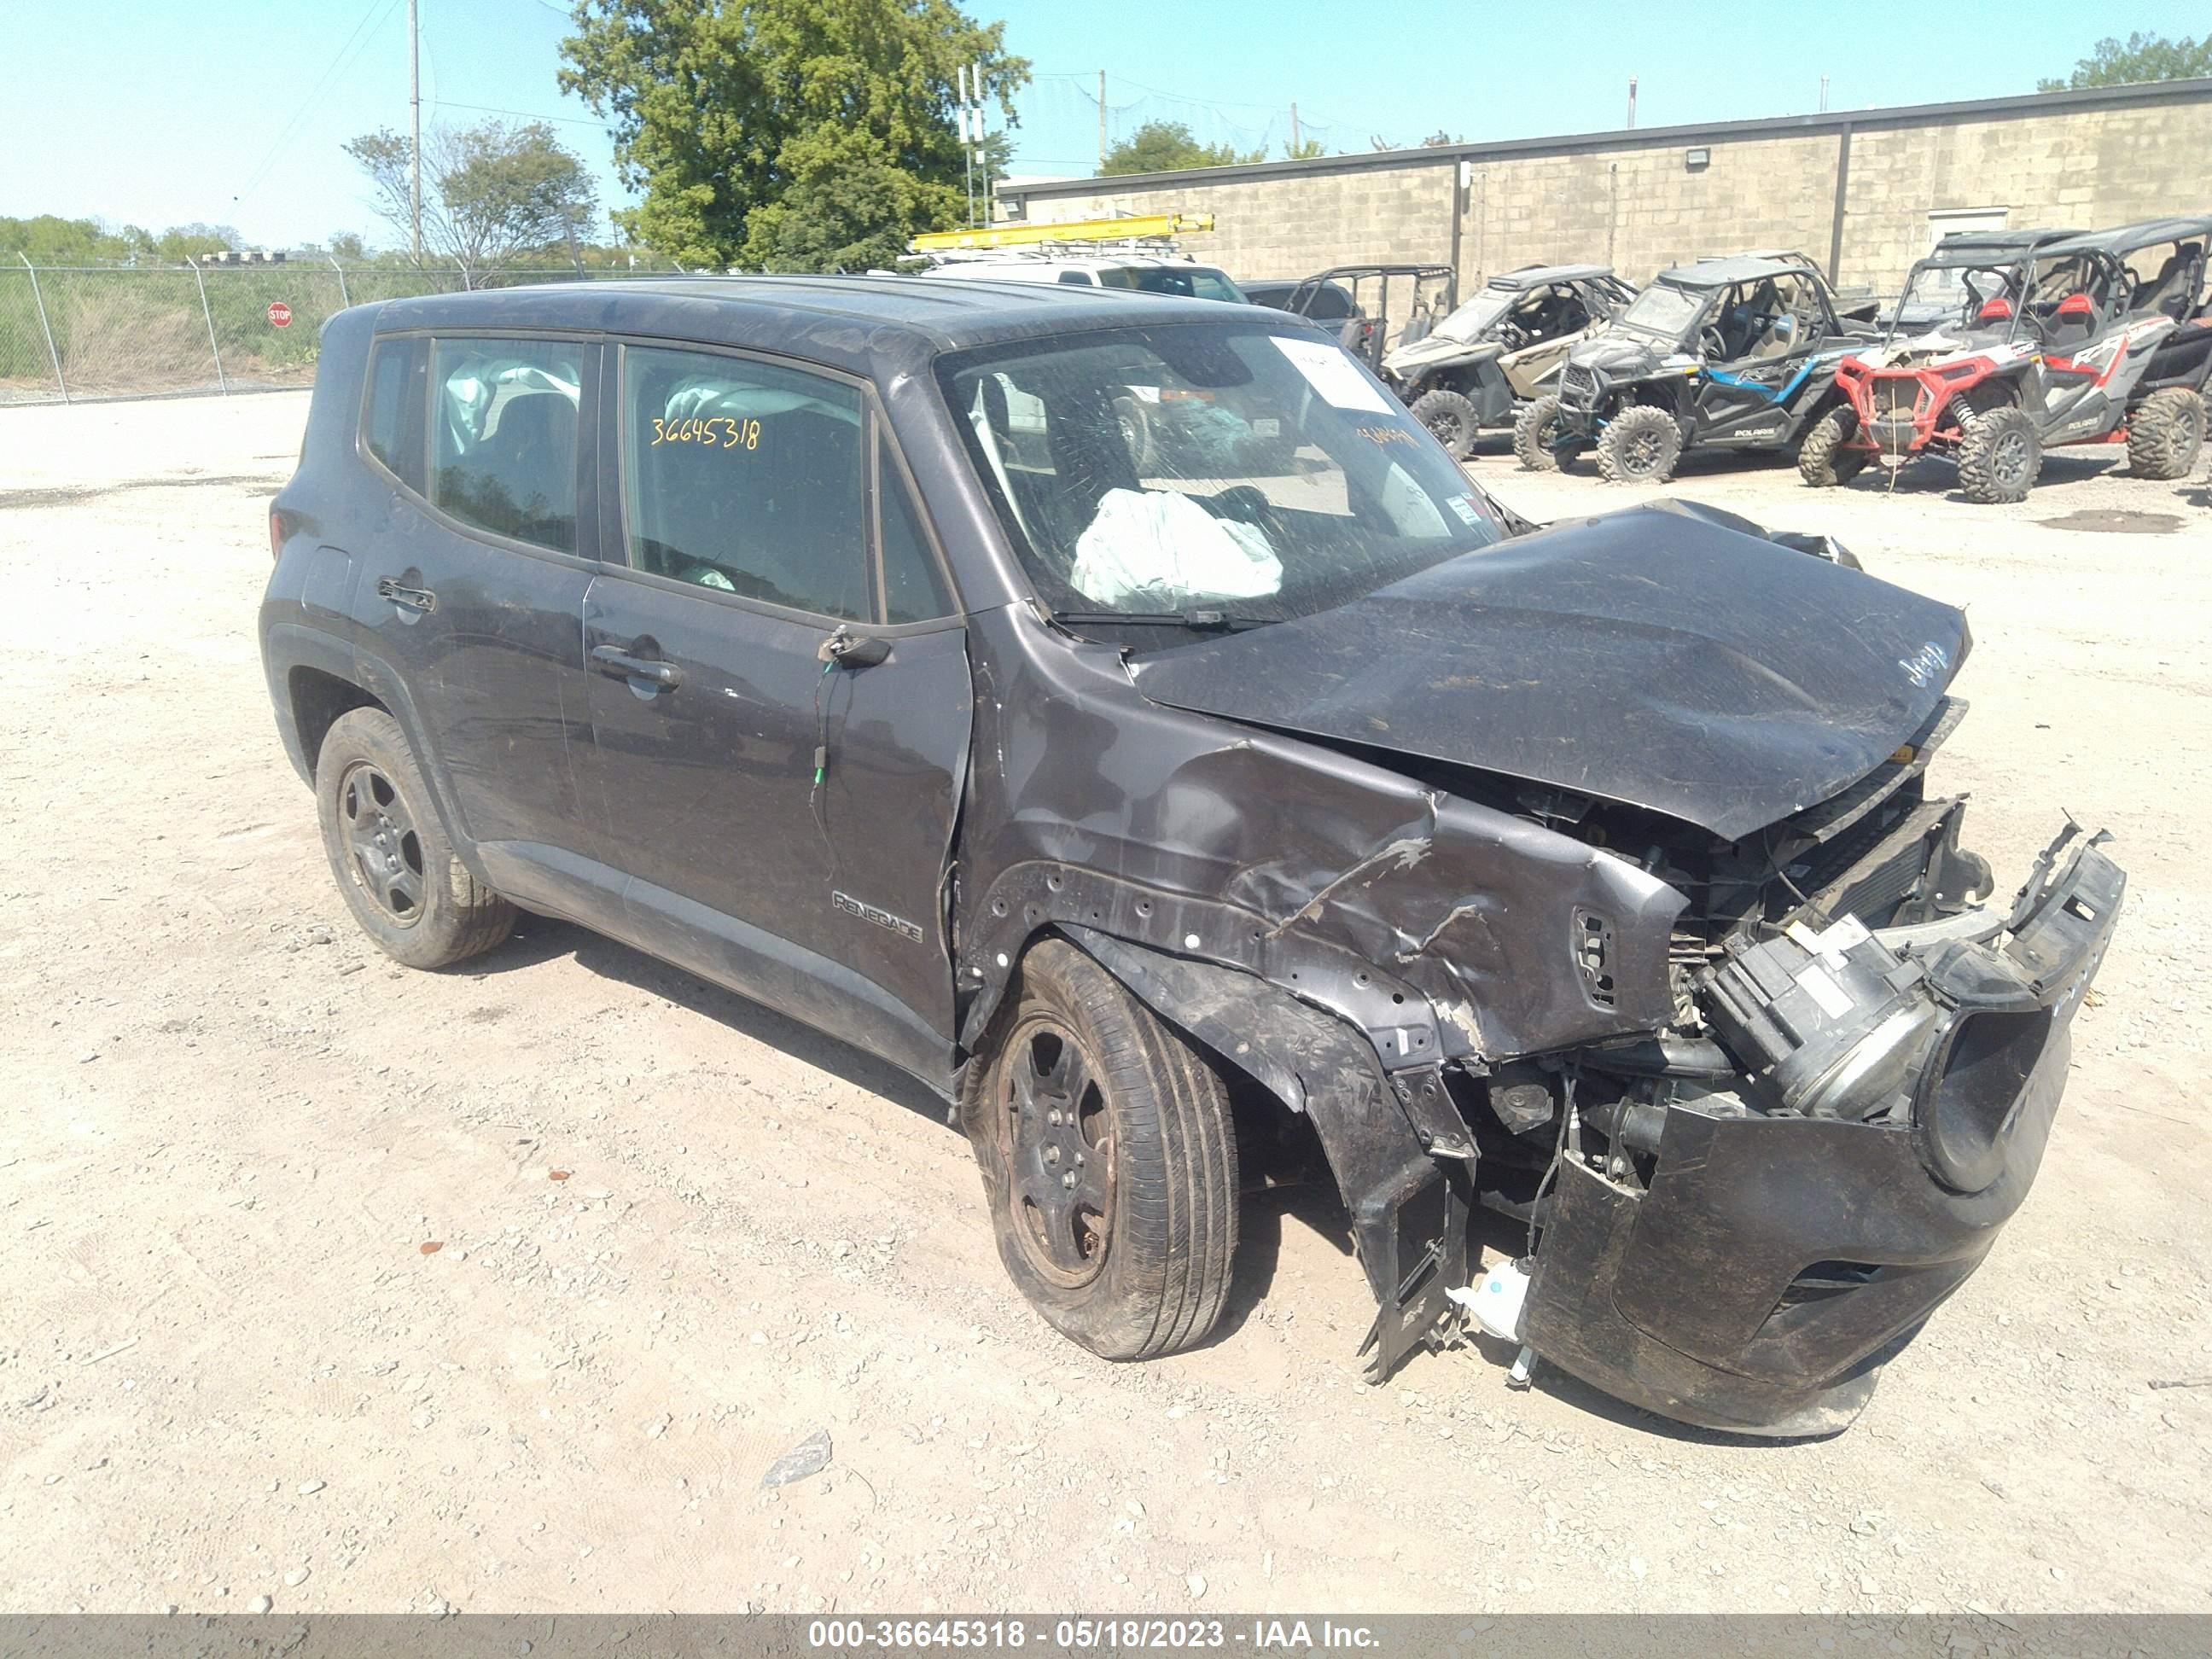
1166 806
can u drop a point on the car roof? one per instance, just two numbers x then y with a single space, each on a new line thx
2143 233
1731 268
1536 276
866 325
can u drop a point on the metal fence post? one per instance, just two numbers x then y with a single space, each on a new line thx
343 300
39 301
210 316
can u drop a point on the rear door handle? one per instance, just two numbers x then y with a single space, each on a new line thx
614 660
415 599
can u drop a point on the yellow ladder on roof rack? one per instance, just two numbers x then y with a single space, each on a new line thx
1076 230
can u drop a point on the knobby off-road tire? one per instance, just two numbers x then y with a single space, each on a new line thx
1822 460
389 853
1535 433
1078 1079
2164 433
1451 417
1640 445
1999 456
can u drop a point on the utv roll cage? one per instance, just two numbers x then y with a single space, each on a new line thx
2177 287
2013 252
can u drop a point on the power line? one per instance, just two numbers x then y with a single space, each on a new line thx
363 33
523 114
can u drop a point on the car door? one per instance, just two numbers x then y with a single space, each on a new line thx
1534 368
471 594
779 696
1774 327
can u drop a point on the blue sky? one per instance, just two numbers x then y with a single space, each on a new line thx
232 113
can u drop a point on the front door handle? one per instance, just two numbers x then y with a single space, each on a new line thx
613 660
415 599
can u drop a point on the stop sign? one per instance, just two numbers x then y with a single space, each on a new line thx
280 314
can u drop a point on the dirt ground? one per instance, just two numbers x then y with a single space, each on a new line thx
232 1367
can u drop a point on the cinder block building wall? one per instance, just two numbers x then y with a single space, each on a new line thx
1864 193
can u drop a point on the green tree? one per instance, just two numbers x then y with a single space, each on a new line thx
1306 149
1171 147
491 194
2140 58
796 134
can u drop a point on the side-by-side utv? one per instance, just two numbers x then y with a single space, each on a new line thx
2048 338
1502 348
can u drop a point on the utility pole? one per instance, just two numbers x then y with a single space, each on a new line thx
414 104
1102 122
1294 129
1631 98
1824 94
967 155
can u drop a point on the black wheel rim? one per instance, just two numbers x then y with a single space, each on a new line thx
385 846
1640 452
1447 431
1057 1140
2010 461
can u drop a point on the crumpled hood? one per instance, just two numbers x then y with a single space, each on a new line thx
1660 656
1436 349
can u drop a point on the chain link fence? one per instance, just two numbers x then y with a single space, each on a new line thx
85 333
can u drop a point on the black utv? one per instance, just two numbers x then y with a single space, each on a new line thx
1502 348
1735 353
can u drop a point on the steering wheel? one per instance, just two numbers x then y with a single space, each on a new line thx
1712 344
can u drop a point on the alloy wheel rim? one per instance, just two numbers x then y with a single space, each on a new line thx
386 849
2011 462
1056 1139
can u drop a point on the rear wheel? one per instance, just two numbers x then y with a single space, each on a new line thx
2164 433
1999 456
1451 417
1536 435
1640 446
1109 1160
1822 459
389 853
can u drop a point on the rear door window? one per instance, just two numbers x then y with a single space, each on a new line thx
746 478
504 425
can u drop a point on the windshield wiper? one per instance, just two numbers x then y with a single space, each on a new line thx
1197 617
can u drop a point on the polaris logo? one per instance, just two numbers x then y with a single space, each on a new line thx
899 925
1925 666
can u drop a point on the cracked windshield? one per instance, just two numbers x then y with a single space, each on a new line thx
1208 477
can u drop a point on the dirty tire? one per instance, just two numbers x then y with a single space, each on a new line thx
1151 1111
1535 431
1640 445
1822 460
1999 456
389 853
2164 433
1451 417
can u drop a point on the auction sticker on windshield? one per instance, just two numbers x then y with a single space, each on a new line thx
1333 374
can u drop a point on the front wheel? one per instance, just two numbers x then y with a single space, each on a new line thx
394 867
1640 446
1999 456
1109 1159
1536 435
1823 460
1451 417
2164 433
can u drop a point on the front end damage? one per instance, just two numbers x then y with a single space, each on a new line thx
1747 1216
1541 886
